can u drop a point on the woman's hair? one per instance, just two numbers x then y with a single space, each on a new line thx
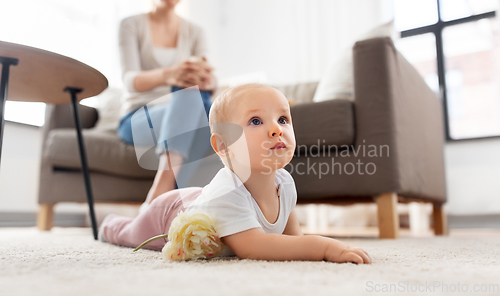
222 105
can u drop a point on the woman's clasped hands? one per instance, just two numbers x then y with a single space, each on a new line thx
194 71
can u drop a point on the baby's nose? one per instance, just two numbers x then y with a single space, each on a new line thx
276 131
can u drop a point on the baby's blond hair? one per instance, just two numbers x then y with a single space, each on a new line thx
221 107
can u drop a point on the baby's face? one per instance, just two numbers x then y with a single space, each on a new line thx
264 115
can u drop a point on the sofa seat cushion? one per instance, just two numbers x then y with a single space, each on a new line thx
326 125
106 153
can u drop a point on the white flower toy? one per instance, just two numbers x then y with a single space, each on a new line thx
192 235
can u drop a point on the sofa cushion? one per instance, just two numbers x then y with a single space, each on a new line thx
325 125
337 81
105 153
299 93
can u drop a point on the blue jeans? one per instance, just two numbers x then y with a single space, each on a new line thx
179 126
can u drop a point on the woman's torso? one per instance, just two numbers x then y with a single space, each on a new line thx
136 39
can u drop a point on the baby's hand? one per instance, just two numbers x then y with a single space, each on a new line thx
339 252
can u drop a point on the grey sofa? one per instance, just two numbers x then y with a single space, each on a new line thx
393 110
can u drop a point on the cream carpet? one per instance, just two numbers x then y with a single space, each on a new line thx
67 261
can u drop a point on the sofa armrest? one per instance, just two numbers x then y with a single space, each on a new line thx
395 107
61 116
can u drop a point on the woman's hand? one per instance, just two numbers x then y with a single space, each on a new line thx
190 73
339 252
208 82
182 75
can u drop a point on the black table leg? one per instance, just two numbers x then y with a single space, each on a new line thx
83 157
4 88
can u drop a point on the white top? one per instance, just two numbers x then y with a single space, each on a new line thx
234 209
164 55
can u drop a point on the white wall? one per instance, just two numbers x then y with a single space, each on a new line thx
20 168
473 177
286 40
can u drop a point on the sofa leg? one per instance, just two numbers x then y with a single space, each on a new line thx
439 219
45 219
388 218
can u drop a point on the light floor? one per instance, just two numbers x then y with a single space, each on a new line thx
67 261
372 232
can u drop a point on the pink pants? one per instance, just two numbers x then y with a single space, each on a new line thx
156 220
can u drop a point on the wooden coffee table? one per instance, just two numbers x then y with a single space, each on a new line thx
34 75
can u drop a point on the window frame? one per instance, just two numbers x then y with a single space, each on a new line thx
437 30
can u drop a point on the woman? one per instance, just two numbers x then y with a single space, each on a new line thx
158 53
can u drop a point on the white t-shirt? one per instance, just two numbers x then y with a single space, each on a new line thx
235 210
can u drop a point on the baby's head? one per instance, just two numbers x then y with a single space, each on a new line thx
262 114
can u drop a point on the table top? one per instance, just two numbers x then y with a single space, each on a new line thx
42 76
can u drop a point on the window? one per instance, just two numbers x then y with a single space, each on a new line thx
455 45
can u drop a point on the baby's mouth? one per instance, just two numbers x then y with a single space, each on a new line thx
279 145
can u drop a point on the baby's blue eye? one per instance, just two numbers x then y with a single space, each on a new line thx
255 121
283 120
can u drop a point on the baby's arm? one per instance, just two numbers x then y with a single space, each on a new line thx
256 244
292 225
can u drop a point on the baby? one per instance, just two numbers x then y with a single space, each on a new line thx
252 198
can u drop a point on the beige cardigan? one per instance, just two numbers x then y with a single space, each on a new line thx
136 55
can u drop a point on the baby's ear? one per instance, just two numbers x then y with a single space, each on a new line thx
219 144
